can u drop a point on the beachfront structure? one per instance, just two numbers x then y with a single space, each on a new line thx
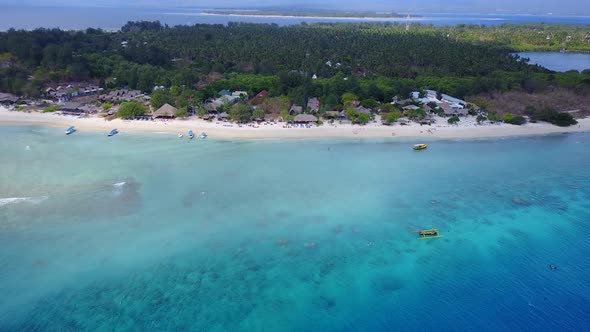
224 92
121 95
63 93
363 110
227 99
223 116
294 110
332 115
166 111
240 94
313 104
453 109
410 108
258 97
305 118
72 108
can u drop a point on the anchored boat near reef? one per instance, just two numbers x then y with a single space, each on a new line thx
428 234
113 132
420 146
70 130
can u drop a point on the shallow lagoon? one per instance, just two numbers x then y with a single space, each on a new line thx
558 61
291 235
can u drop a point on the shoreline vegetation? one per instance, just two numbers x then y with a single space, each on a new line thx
304 14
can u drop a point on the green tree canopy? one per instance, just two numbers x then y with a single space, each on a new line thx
258 114
130 109
161 97
392 117
181 112
240 112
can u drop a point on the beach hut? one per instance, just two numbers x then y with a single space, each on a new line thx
305 118
166 111
313 104
403 122
295 110
332 115
71 109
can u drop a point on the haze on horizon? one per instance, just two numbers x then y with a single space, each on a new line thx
570 7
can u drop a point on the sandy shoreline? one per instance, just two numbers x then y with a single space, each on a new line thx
468 129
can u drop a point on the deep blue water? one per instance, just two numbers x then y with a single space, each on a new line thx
153 233
559 61
21 17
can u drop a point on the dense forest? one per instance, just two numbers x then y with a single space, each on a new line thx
371 60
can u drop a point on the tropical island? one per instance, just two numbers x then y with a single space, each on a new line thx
339 75
302 13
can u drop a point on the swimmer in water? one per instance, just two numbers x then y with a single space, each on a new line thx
552 267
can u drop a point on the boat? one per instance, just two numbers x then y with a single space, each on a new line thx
203 135
179 135
191 135
70 130
420 146
113 132
428 234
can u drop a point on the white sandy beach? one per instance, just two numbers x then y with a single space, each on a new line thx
466 129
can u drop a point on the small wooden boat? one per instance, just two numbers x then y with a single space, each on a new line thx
113 132
191 135
70 130
428 234
420 146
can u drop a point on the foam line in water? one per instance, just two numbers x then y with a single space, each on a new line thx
14 200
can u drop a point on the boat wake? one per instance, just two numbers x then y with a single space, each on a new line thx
15 200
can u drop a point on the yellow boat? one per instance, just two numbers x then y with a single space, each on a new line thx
428 234
420 146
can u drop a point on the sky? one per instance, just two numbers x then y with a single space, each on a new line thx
580 7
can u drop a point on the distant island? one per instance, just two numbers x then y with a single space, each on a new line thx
331 14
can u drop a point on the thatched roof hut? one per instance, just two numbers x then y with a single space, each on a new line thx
166 111
332 114
305 118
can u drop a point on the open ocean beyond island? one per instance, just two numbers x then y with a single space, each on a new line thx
156 233
30 17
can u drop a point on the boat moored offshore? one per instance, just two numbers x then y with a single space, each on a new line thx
113 132
428 233
191 135
70 130
420 146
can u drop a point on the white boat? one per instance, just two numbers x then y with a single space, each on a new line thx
70 130
179 135
203 135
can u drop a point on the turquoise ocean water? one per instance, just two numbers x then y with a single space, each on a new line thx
152 233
